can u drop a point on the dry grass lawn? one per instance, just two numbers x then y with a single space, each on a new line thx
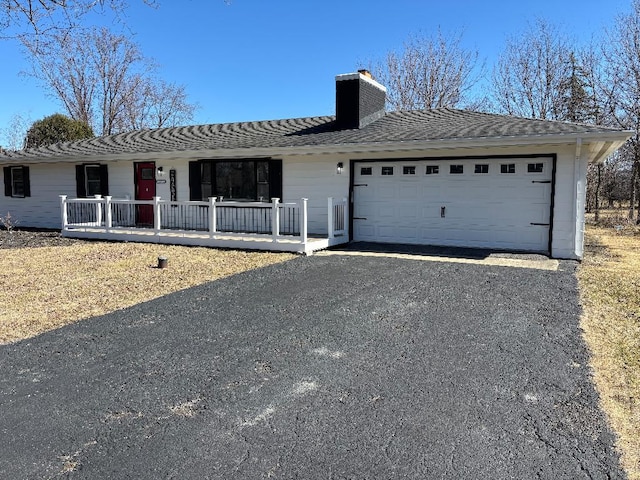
48 287
610 287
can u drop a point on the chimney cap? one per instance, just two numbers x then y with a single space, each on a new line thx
360 76
366 73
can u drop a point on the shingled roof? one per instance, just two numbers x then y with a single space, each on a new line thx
279 135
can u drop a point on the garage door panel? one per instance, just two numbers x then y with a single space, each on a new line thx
482 210
409 192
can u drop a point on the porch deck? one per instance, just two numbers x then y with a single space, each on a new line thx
270 226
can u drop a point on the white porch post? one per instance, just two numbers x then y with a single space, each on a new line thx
330 218
275 219
63 211
156 214
98 211
108 214
345 212
303 221
213 218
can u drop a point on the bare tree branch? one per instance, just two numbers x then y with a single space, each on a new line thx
103 79
429 72
527 79
622 54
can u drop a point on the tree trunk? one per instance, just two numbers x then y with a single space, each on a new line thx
638 194
632 190
597 200
634 175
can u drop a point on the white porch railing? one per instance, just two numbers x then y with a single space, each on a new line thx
338 220
214 223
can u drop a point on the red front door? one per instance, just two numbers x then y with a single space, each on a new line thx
145 181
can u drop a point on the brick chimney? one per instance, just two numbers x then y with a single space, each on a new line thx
359 100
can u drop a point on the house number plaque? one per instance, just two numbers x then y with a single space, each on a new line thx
172 185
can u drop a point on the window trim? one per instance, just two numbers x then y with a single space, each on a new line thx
388 169
366 171
435 170
456 166
408 170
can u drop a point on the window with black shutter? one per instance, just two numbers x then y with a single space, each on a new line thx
16 182
236 180
92 179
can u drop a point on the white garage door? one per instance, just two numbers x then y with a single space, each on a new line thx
490 203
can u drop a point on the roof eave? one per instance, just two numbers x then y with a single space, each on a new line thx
608 142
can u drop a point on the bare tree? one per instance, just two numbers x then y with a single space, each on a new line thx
622 54
15 133
103 79
429 72
158 104
41 20
528 78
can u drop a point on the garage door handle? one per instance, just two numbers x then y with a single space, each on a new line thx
360 185
359 218
540 224
540 181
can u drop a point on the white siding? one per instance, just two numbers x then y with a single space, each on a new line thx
309 176
315 178
568 210
48 182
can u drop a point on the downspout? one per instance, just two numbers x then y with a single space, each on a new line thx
578 229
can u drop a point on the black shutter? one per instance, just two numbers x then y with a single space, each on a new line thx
7 181
195 181
27 181
80 186
104 181
275 179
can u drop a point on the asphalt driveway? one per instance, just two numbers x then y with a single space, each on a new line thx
322 367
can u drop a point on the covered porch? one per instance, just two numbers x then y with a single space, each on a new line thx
274 226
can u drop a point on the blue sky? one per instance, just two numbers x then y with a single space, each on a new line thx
268 59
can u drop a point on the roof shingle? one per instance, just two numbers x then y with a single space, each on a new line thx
402 126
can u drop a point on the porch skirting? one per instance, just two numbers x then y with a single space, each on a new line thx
232 240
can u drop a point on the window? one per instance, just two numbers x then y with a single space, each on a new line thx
16 182
508 168
432 170
535 167
481 168
147 173
387 170
239 180
366 171
408 170
91 179
456 169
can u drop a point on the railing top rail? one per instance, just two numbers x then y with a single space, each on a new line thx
85 200
129 201
225 203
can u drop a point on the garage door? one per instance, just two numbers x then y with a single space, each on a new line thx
487 203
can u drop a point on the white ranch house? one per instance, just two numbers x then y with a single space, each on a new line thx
436 177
